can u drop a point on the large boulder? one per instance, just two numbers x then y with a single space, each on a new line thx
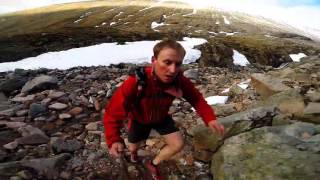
204 139
42 82
216 54
11 84
46 166
267 85
282 152
290 101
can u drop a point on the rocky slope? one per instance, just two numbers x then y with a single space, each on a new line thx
51 125
60 27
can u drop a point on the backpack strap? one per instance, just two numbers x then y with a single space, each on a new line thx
141 76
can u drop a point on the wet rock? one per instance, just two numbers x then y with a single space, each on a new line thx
40 83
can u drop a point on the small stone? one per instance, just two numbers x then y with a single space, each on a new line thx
93 126
23 99
46 101
11 145
22 112
75 111
64 116
15 125
55 94
18 119
58 106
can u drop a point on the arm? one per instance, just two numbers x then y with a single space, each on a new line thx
116 111
195 98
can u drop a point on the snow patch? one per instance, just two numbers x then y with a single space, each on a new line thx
297 57
102 54
239 59
226 21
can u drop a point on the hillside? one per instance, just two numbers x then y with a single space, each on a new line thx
60 27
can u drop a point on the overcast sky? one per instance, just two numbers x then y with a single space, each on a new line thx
303 14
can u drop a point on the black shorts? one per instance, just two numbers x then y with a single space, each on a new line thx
139 132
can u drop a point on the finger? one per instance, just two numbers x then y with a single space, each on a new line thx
221 129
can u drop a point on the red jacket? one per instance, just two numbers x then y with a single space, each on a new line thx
153 105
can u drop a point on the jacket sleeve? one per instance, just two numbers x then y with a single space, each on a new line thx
195 98
116 110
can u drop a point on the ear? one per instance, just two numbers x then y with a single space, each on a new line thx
153 59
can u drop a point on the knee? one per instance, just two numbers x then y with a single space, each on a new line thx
133 147
177 146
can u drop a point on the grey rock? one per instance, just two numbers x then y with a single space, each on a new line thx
60 145
15 125
8 112
24 99
312 108
14 83
266 85
58 106
276 154
11 145
40 83
45 166
33 139
29 130
314 97
37 110
55 94
192 74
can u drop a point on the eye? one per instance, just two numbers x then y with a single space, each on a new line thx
167 62
178 64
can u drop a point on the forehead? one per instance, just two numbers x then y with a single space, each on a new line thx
170 52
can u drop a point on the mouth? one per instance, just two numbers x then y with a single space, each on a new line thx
169 77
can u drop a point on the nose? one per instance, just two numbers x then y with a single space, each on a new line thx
173 69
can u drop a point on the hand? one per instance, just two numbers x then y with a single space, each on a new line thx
116 149
217 127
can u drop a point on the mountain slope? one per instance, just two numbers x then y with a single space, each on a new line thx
64 26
